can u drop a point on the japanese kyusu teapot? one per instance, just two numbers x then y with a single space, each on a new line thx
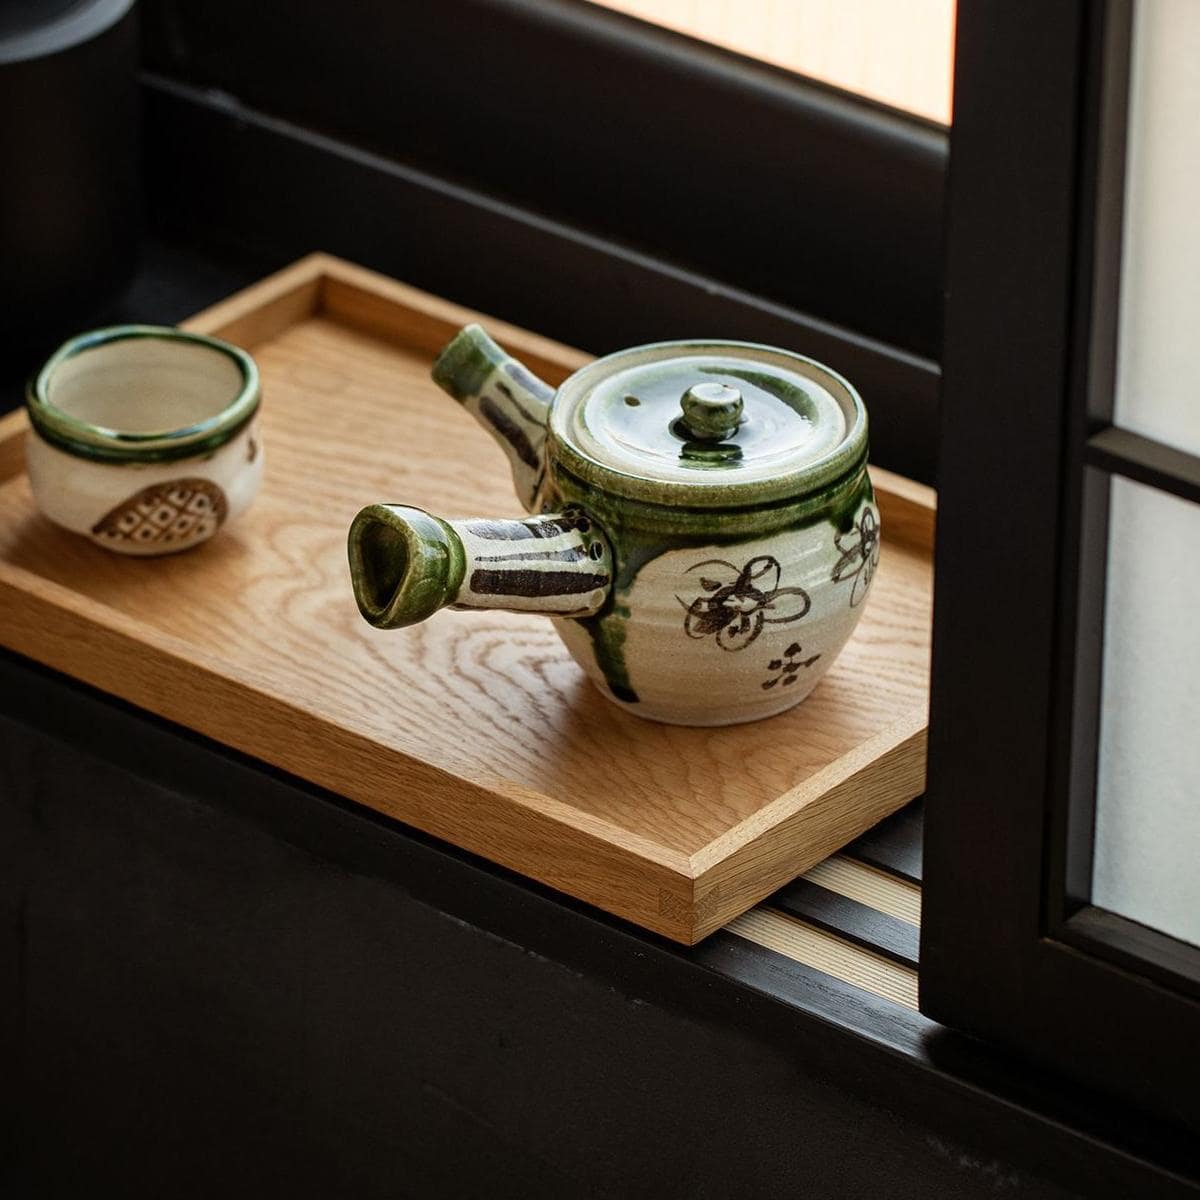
704 531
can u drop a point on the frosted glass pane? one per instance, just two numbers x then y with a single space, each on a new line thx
1147 847
1158 362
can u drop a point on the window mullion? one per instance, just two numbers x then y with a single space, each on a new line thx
1144 460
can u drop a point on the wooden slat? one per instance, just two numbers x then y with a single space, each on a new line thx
815 948
476 728
876 889
849 919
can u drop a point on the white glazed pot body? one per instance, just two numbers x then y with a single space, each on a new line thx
720 634
146 508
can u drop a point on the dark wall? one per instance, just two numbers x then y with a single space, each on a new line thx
787 189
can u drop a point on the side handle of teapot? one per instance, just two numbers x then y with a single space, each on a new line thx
505 398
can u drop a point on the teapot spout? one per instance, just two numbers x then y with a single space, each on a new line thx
505 398
406 564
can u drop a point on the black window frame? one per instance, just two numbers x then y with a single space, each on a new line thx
529 158
1012 949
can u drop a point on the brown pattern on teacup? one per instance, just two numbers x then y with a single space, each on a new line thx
172 515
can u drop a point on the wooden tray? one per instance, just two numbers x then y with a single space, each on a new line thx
475 727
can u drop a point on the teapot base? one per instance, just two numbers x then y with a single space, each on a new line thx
695 719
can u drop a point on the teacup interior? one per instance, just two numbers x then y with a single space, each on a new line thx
145 384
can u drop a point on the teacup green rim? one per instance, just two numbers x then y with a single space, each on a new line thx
86 440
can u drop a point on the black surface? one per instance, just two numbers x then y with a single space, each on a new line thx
211 1011
735 170
894 845
71 198
1007 952
219 981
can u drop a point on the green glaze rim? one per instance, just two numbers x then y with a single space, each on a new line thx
710 493
423 558
98 442
619 516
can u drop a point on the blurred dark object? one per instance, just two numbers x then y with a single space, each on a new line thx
70 204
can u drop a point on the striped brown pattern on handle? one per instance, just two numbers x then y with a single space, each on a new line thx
514 406
558 563
503 396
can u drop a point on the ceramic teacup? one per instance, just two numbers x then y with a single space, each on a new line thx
144 438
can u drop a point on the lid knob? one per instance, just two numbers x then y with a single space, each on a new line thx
711 411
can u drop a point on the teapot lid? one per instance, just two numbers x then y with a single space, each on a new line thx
708 424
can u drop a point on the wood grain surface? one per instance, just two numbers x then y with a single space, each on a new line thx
474 727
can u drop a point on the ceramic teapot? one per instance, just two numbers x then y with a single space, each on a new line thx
704 533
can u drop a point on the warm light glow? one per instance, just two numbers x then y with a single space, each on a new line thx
900 53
